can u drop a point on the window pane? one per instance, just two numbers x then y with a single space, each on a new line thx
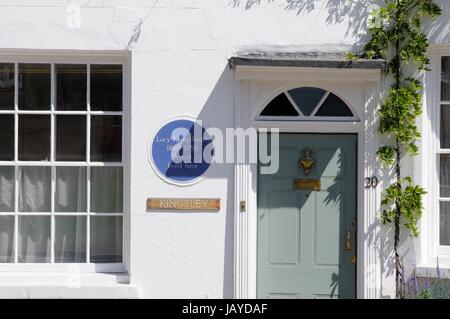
34 239
279 106
34 137
6 137
445 126
106 239
6 86
334 106
445 85
71 87
445 224
6 239
34 86
106 138
71 138
70 239
7 189
34 189
71 191
445 176
106 87
307 98
106 189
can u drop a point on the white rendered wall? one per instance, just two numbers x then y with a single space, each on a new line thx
179 66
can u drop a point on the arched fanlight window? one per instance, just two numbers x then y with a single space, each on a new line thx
307 103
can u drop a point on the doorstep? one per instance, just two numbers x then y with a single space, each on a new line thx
66 286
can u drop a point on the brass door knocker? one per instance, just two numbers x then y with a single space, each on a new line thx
306 162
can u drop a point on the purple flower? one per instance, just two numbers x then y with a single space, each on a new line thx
416 283
438 271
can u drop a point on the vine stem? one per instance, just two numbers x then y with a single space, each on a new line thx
399 280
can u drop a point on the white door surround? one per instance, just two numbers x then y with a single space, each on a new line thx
254 88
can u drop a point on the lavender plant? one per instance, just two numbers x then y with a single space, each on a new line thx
428 287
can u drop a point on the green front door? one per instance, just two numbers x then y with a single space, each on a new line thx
306 237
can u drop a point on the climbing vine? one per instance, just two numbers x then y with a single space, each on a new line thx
397 37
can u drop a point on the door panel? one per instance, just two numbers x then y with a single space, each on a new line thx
326 233
283 229
302 234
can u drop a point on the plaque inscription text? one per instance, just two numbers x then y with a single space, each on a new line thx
206 204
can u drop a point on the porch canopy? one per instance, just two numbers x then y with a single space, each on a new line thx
327 60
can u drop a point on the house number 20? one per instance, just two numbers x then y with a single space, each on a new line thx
371 182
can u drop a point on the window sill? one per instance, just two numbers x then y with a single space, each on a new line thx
66 286
62 268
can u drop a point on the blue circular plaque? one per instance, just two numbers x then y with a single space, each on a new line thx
179 151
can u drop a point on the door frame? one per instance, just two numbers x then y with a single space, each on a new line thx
368 268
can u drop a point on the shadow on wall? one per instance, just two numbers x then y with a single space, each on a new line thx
382 240
439 31
338 10
217 112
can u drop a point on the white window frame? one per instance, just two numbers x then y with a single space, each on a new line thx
442 250
432 251
54 57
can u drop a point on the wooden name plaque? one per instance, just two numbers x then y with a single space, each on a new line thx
196 204
307 184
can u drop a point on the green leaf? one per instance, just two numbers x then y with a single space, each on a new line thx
351 56
386 154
